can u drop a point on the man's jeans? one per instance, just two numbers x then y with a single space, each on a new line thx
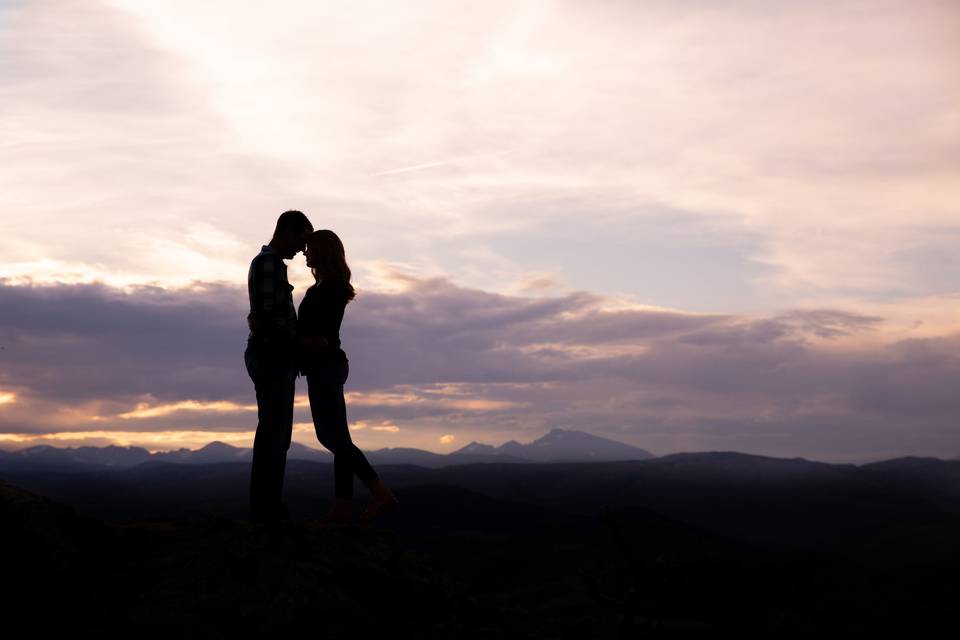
274 379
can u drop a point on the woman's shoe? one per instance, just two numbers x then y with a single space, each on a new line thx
341 513
381 501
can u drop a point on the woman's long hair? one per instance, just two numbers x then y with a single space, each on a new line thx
329 259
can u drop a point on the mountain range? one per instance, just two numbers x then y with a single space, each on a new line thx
558 445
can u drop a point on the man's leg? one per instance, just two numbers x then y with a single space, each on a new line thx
275 393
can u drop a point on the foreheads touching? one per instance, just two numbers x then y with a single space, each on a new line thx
290 235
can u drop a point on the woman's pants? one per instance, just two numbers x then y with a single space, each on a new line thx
329 410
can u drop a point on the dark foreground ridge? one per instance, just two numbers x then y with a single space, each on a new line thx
699 545
219 578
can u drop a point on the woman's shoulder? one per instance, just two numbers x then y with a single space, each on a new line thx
326 291
332 288
310 293
324 286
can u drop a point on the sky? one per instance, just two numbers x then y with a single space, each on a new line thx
688 226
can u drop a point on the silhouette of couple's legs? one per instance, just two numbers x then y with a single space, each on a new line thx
329 410
275 384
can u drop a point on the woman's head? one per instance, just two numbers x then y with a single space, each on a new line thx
327 259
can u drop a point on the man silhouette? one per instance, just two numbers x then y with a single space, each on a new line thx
270 358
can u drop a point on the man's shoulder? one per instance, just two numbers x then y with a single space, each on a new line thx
264 259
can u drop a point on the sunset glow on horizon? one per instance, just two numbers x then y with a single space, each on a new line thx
683 226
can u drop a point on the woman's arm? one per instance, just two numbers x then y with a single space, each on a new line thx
314 342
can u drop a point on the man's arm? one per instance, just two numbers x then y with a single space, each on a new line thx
262 282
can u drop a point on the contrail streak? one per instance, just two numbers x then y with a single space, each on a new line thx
442 163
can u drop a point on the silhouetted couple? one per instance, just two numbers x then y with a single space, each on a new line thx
281 347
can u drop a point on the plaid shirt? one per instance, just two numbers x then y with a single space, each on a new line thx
271 300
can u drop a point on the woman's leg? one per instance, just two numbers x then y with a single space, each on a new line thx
360 465
329 412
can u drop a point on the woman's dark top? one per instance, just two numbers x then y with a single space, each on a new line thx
320 314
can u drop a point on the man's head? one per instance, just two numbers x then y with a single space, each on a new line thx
290 236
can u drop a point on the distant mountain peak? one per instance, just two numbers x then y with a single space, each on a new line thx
571 445
475 447
217 444
558 444
42 448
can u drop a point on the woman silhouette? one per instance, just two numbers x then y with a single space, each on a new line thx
325 366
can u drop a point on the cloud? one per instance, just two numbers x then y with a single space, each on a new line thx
815 145
438 359
91 341
716 226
